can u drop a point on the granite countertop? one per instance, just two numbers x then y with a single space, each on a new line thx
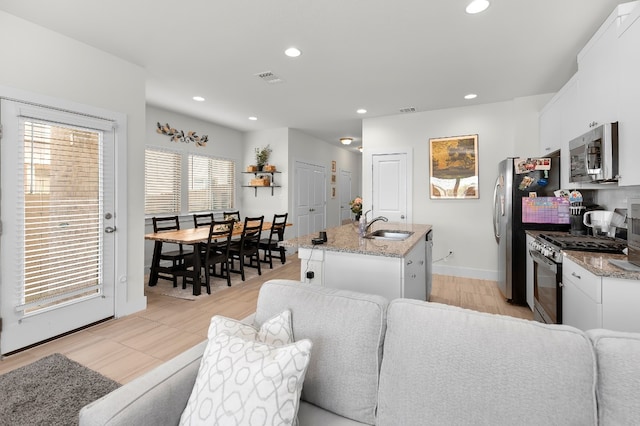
596 263
345 239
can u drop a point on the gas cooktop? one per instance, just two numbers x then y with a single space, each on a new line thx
585 243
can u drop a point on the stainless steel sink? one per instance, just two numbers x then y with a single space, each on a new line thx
389 234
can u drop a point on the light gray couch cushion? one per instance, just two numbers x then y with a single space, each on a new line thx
309 414
347 331
618 392
445 365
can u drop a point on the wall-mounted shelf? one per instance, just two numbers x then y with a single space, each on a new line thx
255 187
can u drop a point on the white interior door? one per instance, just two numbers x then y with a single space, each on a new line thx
390 186
57 210
345 196
310 190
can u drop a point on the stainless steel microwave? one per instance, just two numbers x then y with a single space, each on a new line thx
633 230
594 155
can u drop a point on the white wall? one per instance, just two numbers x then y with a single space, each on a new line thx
307 149
463 226
223 143
45 63
258 202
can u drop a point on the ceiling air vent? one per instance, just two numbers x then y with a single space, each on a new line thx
269 77
407 110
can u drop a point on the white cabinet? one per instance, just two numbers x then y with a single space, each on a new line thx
581 297
390 277
590 301
551 126
529 280
598 76
629 100
560 122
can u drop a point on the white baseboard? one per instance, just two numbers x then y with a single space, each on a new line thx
458 271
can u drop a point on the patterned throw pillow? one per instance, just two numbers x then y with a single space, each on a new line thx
275 331
247 376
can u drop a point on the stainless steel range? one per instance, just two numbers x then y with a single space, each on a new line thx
546 251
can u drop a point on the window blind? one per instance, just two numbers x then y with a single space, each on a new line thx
162 181
63 189
211 183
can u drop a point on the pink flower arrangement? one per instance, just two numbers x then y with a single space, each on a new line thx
356 205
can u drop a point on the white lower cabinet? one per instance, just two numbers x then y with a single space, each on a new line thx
390 277
590 301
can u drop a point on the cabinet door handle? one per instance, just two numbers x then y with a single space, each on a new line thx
576 275
409 262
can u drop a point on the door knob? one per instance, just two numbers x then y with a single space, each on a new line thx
110 229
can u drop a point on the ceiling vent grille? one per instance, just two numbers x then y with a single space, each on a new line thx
407 110
268 77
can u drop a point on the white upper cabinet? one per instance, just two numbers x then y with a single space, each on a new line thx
558 122
551 126
598 76
605 89
629 99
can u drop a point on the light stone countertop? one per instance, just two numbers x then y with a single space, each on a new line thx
596 263
345 239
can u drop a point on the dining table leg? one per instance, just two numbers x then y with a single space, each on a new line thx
155 263
196 270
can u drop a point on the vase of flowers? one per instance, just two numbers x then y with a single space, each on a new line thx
356 207
262 156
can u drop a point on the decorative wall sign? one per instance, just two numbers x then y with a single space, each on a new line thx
179 135
454 167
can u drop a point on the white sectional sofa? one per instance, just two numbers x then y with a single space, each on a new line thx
415 363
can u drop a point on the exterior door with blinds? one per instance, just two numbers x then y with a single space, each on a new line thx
57 210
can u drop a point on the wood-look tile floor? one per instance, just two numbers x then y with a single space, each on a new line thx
125 348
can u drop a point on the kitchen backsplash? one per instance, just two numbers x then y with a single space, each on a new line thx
612 198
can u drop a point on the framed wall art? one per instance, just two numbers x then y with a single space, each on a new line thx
453 167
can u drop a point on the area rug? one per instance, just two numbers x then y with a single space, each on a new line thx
50 391
165 287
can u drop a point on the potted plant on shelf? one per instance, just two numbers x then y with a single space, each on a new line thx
262 156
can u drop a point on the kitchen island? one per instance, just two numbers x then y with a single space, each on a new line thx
388 268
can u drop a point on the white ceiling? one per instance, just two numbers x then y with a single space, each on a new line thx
382 55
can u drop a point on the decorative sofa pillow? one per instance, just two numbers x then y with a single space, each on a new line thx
247 376
275 331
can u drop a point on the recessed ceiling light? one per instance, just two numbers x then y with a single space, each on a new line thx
198 98
293 52
470 96
346 141
361 111
252 118
477 6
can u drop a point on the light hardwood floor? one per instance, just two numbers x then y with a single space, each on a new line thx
125 348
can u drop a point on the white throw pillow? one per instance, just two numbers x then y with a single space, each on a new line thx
275 331
242 382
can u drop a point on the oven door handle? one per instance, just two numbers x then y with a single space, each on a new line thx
542 260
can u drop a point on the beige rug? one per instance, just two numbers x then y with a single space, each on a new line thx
165 287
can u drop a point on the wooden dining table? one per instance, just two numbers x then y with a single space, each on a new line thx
189 236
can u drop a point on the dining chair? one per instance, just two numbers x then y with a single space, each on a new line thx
215 251
246 249
176 257
269 245
235 215
203 219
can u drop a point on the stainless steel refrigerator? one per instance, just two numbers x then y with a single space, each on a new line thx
508 225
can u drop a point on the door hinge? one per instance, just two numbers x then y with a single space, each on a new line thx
0 131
